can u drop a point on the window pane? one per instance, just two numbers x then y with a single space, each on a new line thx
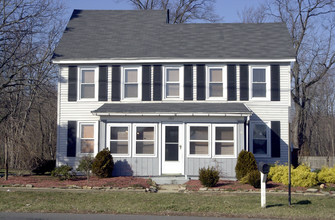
259 131
130 91
215 75
172 75
224 148
171 134
199 148
87 76
224 133
172 89
199 133
260 146
145 133
259 90
258 75
119 133
87 131
215 90
171 152
119 147
87 146
144 147
131 75
87 91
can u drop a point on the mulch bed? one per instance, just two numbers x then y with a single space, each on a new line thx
48 181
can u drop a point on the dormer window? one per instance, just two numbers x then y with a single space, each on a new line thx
131 83
88 77
173 81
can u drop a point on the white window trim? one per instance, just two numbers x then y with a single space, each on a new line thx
181 82
133 141
224 81
267 81
109 125
139 81
268 135
214 126
78 146
188 126
96 82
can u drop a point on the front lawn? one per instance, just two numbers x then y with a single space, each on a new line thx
198 204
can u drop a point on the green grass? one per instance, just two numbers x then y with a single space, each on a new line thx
220 204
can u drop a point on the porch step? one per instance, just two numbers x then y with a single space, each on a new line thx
169 180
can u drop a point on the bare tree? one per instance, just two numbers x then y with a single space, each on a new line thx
181 11
311 26
29 31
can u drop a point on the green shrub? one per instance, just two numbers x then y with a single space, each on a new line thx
327 175
63 172
41 166
85 165
246 163
301 176
254 178
103 164
209 177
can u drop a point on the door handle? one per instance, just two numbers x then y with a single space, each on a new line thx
179 146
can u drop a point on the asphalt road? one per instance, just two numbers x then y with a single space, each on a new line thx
54 216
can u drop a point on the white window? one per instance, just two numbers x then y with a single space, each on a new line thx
224 140
260 82
216 82
260 139
173 82
118 139
145 140
131 83
198 140
87 137
88 83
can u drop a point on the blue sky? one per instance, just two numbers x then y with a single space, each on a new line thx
225 8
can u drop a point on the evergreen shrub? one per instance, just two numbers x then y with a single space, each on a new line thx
327 175
63 172
246 163
209 177
103 164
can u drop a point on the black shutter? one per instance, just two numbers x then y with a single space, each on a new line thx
71 138
103 83
201 82
146 83
73 82
157 82
244 82
275 138
116 80
231 80
188 82
275 83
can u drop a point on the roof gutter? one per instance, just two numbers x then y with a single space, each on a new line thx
167 60
237 114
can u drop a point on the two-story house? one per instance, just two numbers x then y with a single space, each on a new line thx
171 98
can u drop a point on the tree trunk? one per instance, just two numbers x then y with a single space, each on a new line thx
6 159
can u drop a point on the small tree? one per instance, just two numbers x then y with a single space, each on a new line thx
85 165
246 163
103 164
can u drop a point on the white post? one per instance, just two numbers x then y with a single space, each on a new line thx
263 190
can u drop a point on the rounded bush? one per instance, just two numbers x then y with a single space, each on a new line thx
246 163
209 177
327 175
63 172
254 178
103 164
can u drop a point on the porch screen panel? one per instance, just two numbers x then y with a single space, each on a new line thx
198 140
224 141
119 140
171 143
145 140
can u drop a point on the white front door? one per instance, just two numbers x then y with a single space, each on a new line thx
173 149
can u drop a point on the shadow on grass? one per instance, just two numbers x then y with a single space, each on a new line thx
302 202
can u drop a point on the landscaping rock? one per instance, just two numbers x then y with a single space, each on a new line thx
325 193
299 191
96 188
16 185
87 187
311 190
203 189
29 186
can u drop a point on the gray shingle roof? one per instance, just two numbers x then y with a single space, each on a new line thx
113 34
173 108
